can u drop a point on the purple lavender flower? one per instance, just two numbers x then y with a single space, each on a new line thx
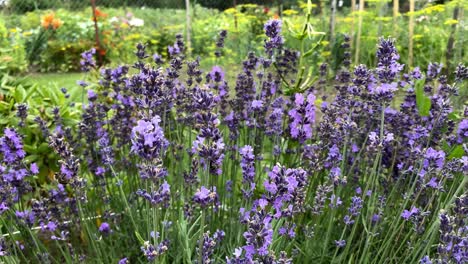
3 248
274 119
433 69
151 252
105 228
425 260
209 245
259 234
11 146
462 132
248 170
27 217
384 91
148 139
407 214
205 197
461 73
302 117
34 169
273 32
159 195
285 190
87 60
124 261
434 158
22 113
453 243
220 42
387 66
69 164
340 243
141 51
158 59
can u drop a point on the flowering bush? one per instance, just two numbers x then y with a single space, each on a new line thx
196 169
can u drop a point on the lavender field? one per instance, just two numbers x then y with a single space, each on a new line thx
273 160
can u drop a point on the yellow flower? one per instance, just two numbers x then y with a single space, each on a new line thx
326 54
384 19
290 12
318 102
451 22
249 5
13 30
429 10
303 5
230 11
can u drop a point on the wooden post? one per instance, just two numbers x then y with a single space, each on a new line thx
461 36
188 27
382 7
96 34
353 8
451 42
410 34
396 8
358 39
332 22
234 3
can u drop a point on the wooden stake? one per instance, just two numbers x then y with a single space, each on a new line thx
382 6
396 8
188 27
410 34
358 39
451 42
332 22
353 8
96 34
234 3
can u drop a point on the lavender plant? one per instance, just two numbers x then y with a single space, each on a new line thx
168 165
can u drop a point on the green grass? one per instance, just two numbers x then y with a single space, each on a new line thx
67 80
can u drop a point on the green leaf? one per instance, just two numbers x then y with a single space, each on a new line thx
32 90
457 152
454 116
140 239
20 94
423 102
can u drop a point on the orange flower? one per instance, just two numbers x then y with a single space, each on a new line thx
56 23
47 20
102 52
99 14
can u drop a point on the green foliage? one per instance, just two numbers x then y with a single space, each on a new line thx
423 102
59 50
12 51
44 98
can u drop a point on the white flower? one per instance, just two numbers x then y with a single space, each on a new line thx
136 22
114 19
